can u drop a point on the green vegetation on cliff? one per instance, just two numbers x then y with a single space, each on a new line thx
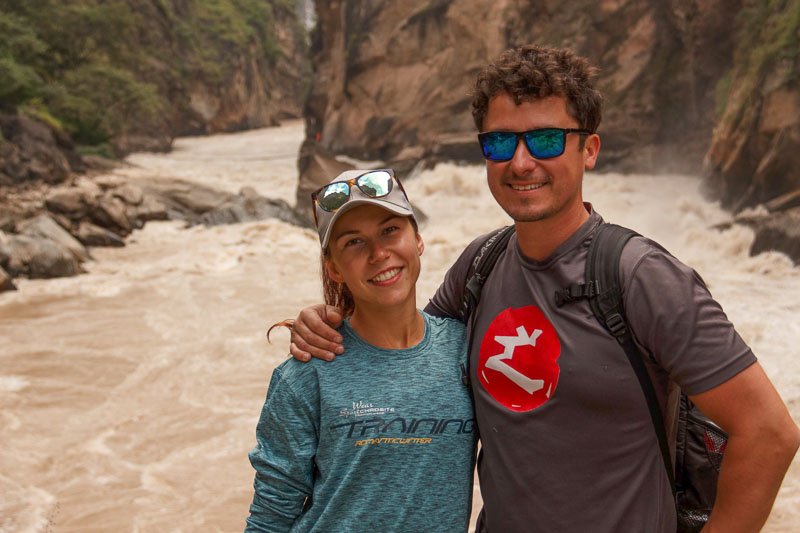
102 68
768 51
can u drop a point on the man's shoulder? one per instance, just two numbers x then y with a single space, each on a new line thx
641 248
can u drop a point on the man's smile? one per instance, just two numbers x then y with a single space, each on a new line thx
528 187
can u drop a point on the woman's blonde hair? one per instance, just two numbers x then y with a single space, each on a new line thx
335 293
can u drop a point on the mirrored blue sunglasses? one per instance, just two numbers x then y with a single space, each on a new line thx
374 184
543 143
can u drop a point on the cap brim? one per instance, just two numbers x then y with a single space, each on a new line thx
356 202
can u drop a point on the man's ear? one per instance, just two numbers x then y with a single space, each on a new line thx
333 272
591 149
420 244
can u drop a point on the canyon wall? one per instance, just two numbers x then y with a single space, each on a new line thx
693 86
117 76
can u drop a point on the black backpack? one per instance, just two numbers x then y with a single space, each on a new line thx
700 443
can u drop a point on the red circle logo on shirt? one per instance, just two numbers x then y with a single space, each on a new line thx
517 364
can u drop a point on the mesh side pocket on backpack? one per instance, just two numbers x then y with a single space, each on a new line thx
699 450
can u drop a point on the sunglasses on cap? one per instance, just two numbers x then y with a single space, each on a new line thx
372 184
543 143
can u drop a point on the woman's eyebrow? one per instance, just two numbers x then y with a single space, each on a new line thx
352 231
390 217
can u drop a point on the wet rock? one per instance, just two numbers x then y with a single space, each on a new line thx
129 193
197 204
109 181
111 212
48 238
37 257
70 202
248 206
184 200
784 201
777 231
45 227
5 281
92 235
151 208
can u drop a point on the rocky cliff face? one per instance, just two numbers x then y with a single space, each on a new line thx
754 156
217 82
31 151
392 80
125 75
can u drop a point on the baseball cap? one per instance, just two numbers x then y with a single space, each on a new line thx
353 188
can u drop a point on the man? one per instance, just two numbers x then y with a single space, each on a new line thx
568 443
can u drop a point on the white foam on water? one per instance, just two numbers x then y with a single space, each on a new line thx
99 445
13 383
28 510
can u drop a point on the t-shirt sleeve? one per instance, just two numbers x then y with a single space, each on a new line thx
286 443
446 302
674 317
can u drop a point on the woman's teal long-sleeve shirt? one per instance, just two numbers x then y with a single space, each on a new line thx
377 440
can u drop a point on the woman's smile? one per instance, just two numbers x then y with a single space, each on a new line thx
387 277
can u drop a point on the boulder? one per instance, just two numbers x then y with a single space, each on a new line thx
151 208
92 235
68 201
775 232
784 201
182 199
248 206
45 227
37 257
5 281
111 212
129 193
197 204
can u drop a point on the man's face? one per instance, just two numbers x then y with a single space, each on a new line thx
531 189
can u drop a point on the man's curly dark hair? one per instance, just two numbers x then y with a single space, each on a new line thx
531 72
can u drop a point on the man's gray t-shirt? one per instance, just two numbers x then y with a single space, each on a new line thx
568 442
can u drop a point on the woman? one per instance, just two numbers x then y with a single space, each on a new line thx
383 437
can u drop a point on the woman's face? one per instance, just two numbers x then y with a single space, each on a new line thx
376 254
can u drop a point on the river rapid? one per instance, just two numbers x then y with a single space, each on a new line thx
129 395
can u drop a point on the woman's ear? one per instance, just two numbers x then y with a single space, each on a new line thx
420 244
333 272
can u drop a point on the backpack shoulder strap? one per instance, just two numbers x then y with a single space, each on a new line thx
602 274
481 267
478 272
